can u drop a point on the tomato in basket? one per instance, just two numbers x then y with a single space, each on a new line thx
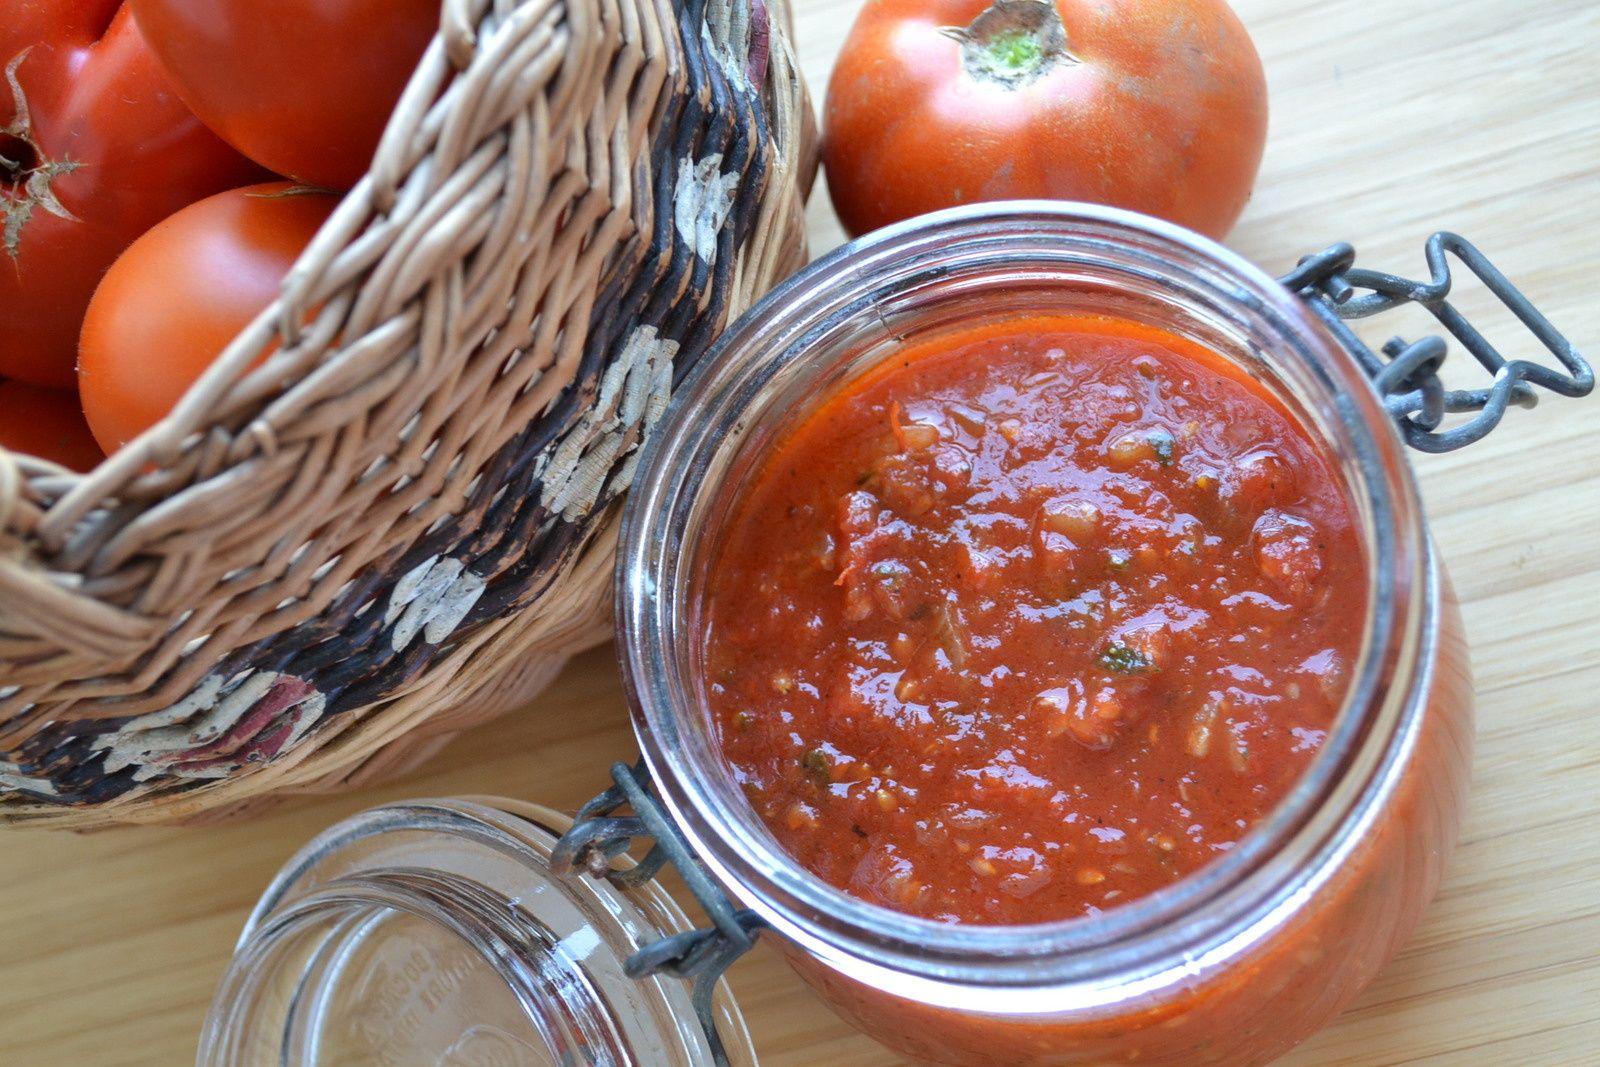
95 148
304 87
171 303
46 423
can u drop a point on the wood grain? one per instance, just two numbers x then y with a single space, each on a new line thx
1390 120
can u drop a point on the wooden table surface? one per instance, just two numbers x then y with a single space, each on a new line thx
1389 120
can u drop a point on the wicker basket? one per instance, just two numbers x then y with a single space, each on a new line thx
317 570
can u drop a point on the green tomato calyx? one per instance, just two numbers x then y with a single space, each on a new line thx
1014 43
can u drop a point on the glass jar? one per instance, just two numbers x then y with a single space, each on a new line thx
434 934
1234 964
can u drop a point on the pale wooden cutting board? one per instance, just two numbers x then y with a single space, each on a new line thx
1390 119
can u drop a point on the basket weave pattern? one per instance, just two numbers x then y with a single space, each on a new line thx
320 567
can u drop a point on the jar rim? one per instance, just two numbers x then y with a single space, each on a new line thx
852 933
475 872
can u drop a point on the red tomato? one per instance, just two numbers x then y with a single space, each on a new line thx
47 423
175 299
301 86
95 148
1155 105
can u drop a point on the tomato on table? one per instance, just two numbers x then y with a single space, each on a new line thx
179 296
1159 106
95 148
303 87
48 424
1032 621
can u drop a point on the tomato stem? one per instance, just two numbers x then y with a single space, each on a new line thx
17 157
28 177
1014 42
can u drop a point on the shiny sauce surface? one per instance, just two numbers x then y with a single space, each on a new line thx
1032 620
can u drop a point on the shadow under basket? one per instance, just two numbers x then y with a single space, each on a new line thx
400 524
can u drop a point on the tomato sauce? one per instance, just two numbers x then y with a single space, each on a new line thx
1032 621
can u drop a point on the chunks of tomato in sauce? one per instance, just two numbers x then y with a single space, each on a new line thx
1032 621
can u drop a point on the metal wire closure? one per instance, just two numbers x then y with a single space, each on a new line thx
699 956
1406 376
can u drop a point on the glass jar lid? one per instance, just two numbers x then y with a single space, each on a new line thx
436 933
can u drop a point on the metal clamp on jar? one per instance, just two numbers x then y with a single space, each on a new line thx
407 931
